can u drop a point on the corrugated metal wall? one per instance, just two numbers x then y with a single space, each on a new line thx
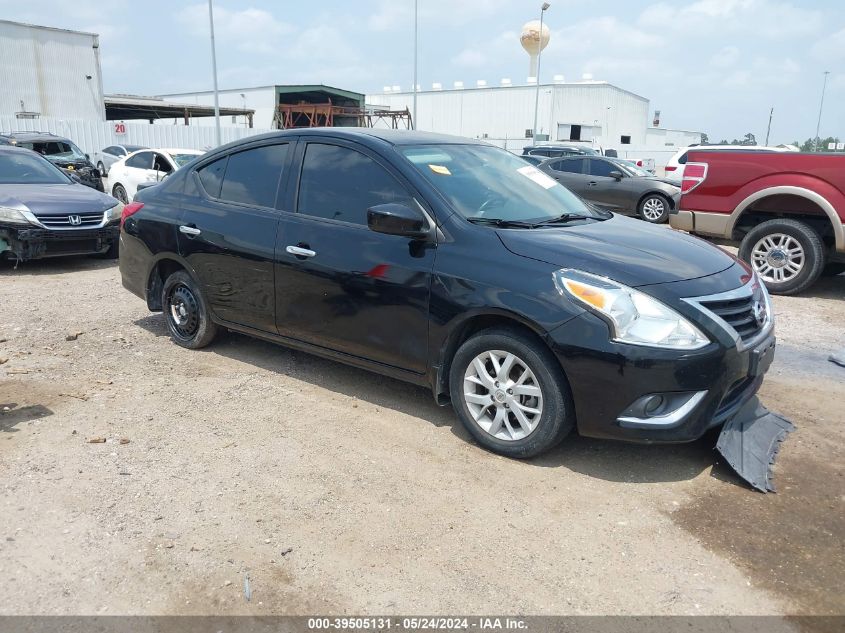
47 70
92 136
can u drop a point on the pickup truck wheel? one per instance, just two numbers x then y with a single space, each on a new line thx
833 269
186 312
654 208
787 254
510 393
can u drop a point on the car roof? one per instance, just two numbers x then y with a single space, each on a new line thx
34 136
367 135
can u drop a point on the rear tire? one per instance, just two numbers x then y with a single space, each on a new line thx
833 269
654 209
186 312
120 193
505 409
788 255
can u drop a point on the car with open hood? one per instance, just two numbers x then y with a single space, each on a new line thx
454 264
60 151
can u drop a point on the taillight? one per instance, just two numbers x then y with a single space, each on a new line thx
670 168
130 209
639 163
694 175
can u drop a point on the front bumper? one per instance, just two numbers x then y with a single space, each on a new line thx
607 379
24 242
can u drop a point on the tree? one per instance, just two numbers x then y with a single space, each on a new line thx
705 140
810 144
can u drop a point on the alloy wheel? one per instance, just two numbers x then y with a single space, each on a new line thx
503 395
778 258
653 209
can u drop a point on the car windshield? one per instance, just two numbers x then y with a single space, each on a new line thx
55 150
487 183
182 159
632 170
23 168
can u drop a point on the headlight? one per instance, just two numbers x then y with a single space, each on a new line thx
12 216
635 317
113 213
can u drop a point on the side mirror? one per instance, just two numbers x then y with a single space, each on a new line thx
616 174
398 219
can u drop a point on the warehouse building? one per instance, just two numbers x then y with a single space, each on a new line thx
596 113
48 72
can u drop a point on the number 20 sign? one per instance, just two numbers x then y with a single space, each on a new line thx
120 129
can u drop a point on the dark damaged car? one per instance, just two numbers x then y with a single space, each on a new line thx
454 264
62 152
45 213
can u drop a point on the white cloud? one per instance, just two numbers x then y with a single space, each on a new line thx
725 57
830 48
470 58
249 30
399 14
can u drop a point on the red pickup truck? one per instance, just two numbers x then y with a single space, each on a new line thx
785 211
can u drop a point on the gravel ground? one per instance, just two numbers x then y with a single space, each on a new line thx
336 490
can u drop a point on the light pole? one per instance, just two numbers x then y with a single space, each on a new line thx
821 105
416 29
543 10
243 99
214 71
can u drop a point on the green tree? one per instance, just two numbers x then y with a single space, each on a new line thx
810 144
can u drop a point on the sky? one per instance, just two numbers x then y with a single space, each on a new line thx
715 66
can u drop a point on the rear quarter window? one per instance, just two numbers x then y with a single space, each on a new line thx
211 176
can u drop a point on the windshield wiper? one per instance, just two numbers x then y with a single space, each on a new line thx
564 218
502 223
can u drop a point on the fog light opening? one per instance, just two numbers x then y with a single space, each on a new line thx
653 405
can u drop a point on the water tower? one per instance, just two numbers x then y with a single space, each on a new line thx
534 41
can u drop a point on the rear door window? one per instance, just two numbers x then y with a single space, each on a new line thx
141 160
211 176
570 165
340 183
252 176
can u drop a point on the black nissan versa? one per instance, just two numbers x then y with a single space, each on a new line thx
454 264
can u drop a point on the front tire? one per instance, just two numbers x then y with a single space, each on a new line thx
120 193
102 169
654 209
510 393
186 312
788 255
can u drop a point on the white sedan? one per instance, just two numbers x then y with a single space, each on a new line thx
147 165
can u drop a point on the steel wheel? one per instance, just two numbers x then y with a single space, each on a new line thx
654 209
503 395
778 257
183 311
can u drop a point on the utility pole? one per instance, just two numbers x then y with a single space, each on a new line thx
769 129
416 30
821 106
214 71
543 9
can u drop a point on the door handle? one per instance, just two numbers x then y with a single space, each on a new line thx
189 230
300 252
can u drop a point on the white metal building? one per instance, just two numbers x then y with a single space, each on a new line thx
49 72
594 112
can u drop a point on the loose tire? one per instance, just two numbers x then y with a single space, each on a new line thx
787 254
510 393
654 209
833 269
120 193
186 312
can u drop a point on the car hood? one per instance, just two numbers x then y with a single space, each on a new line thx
629 251
54 198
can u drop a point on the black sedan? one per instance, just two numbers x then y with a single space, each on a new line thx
616 185
454 264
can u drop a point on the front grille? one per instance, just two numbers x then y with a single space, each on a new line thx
743 311
739 314
63 220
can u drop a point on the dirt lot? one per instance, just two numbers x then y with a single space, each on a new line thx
336 490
